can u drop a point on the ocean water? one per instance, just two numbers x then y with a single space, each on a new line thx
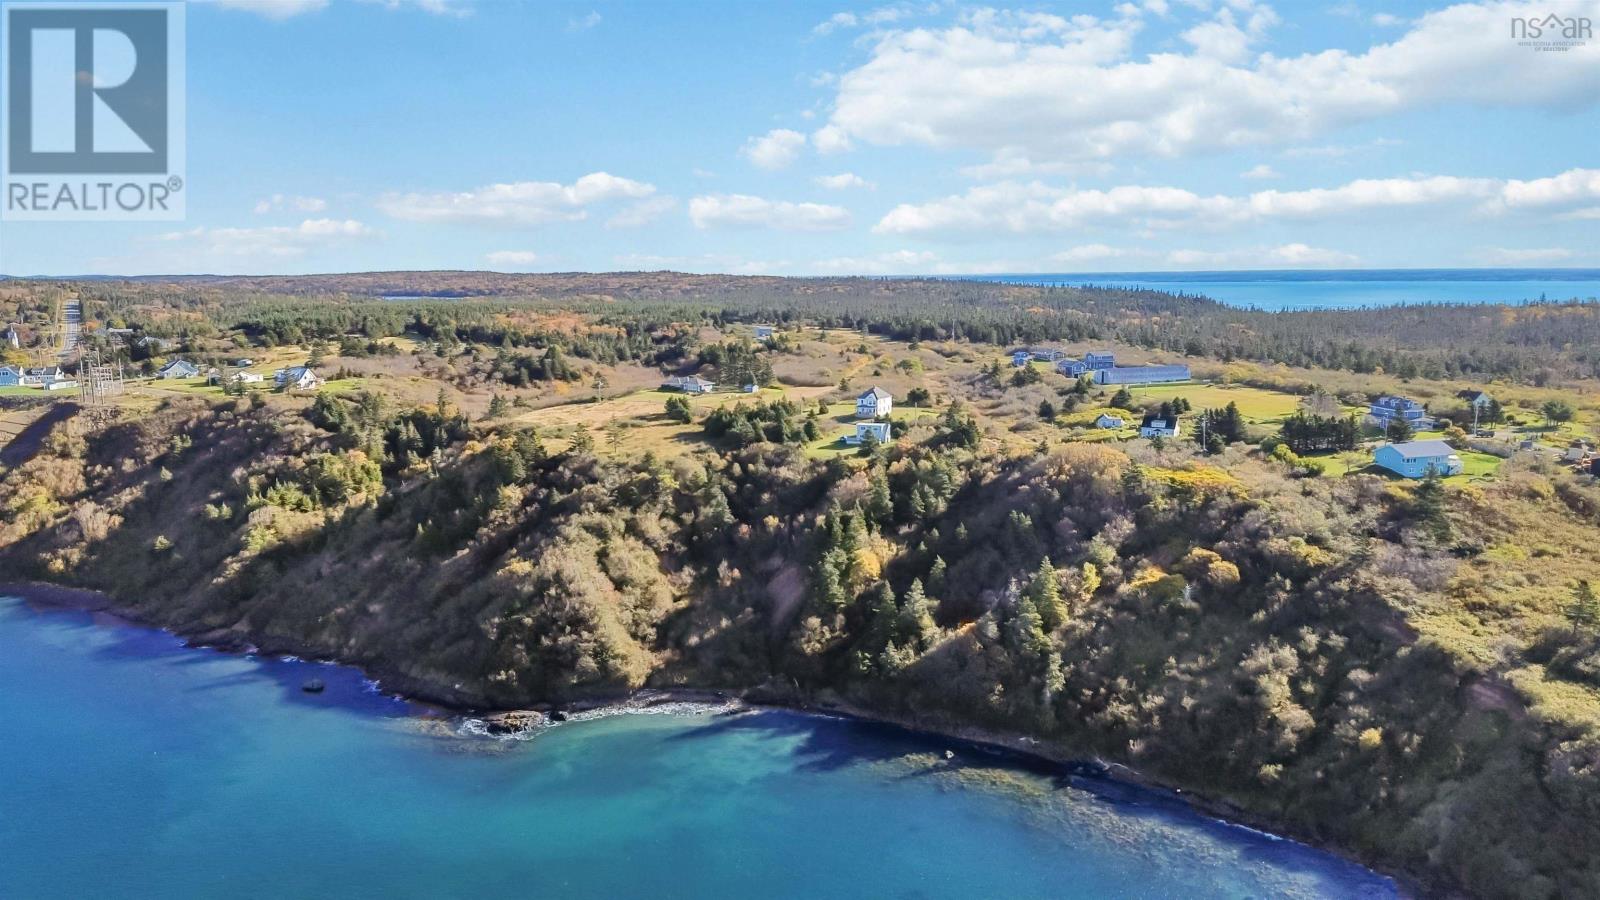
1346 289
131 766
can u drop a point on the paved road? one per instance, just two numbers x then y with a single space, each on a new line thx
71 328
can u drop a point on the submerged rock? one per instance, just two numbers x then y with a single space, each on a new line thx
514 722
314 686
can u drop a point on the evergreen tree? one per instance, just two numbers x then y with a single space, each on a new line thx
1399 430
916 617
1045 592
880 505
1583 613
936 575
1428 506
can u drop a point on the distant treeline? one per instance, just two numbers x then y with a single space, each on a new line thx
1536 343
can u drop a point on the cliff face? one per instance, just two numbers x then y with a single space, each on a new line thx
1273 642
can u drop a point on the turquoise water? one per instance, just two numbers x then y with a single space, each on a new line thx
131 766
1346 289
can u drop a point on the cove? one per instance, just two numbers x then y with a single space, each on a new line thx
133 766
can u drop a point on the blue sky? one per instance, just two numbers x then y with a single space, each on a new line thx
830 138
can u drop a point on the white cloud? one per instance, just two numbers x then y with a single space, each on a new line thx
1387 20
883 15
842 181
830 139
583 23
217 249
511 259
1091 253
643 212
719 263
745 211
1288 256
775 149
279 10
1260 172
517 203
1571 188
454 8
1047 88
1291 256
1226 40
1034 207
899 262
1339 151
1523 256
299 204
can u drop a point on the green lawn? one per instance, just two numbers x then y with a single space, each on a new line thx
1257 405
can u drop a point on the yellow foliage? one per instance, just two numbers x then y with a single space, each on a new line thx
1201 479
1370 739
1310 554
867 565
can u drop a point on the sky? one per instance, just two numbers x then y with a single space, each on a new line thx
828 138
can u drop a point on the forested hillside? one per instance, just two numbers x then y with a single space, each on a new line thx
1217 622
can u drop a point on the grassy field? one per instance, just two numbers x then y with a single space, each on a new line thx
1257 405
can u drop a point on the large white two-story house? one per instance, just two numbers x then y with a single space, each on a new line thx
873 404
297 378
1156 425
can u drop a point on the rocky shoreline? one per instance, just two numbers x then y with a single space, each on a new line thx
514 722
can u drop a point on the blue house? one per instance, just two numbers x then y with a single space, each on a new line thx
878 432
763 332
1072 368
1019 358
1141 374
10 376
1388 408
1100 360
1414 459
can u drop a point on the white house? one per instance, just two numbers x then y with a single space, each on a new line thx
12 337
1107 420
1476 399
874 404
1414 459
689 384
246 378
297 378
39 376
1156 425
178 368
763 332
878 432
